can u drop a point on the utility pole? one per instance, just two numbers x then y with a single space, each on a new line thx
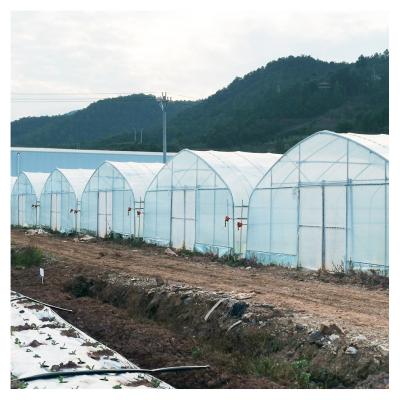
163 101
135 135
141 136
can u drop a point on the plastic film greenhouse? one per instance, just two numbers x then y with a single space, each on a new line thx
324 204
25 198
199 200
60 199
112 201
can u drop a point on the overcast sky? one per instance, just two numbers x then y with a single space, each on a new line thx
61 58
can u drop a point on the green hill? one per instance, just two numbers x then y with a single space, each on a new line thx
266 110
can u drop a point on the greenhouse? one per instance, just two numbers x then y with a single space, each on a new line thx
112 201
13 179
25 198
324 204
199 200
60 199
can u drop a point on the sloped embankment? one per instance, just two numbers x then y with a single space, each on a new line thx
251 338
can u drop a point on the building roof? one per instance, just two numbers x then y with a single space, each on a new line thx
77 178
240 171
379 144
138 175
37 180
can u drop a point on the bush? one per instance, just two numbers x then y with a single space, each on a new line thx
26 257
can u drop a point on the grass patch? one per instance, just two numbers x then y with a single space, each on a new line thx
296 372
26 257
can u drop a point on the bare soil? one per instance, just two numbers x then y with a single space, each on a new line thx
312 300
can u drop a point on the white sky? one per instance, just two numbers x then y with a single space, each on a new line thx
79 55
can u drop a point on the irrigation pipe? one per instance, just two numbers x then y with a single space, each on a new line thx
22 296
50 375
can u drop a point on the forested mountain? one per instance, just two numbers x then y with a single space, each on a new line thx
102 119
267 110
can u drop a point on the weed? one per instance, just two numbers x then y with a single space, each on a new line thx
19 384
155 382
196 353
117 386
26 257
61 379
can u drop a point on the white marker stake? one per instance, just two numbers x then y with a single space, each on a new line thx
41 271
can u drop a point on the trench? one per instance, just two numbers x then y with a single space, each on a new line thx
246 345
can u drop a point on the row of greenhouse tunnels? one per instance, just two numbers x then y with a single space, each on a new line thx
324 203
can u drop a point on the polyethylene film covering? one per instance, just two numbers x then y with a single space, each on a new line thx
59 210
324 204
112 202
24 199
105 203
192 203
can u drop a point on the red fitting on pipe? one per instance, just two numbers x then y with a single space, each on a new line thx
239 224
129 210
71 210
227 218
138 213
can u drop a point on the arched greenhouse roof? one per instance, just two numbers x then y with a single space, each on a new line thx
37 180
240 171
379 144
13 179
77 178
138 175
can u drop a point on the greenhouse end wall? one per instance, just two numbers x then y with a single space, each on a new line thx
324 204
199 200
112 201
60 199
25 199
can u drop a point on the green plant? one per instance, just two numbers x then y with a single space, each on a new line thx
26 257
196 353
302 375
117 386
155 382
61 379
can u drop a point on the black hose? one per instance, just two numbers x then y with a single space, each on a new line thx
22 296
49 375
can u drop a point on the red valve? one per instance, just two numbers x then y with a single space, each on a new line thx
227 218
138 213
71 210
239 224
129 210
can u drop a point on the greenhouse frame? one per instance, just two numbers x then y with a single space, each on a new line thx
113 199
60 199
199 200
324 204
25 198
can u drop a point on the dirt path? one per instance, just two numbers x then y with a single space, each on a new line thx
357 309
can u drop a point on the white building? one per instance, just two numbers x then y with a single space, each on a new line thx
324 204
60 199
25 198
199 200
113 199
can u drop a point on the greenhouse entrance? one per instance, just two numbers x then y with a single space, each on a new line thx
183 225
55 211
104 217
322 224
21 209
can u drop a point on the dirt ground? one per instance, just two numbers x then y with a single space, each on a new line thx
357 309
